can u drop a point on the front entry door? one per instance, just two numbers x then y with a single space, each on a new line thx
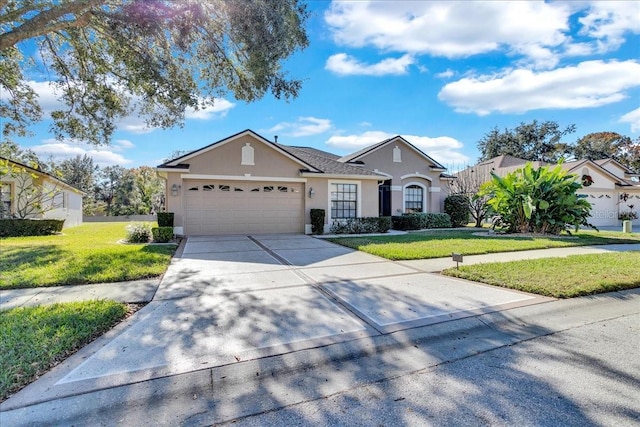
384 199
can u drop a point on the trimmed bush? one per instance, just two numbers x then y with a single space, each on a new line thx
165 219
317 221
162 234
457 206
29 227
361 225
138 233
421 221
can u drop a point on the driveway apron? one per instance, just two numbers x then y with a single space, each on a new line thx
226 299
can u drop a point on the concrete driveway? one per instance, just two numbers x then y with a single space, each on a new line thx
235 298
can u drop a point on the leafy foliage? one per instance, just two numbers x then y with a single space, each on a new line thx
162 234
540 200
165 219
604 145
530 141
467 183
361 225
138 233
156 58
30 227
457 207
421 221
317 221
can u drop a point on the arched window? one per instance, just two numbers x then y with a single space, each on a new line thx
413 199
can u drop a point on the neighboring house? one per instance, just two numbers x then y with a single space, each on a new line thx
248 184
26 192
609 186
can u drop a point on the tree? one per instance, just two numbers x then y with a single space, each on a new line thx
79 172
530 141
538 200
603 145
110 58
149 190
468 183
12 151
107 186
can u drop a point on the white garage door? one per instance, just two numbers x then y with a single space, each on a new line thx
604 209
229 207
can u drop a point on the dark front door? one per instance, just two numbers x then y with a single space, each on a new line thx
384 198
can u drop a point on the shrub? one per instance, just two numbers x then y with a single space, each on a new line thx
165 219
421 221
457 206
30 227
162 234
541 200
317 221
138 233
361 225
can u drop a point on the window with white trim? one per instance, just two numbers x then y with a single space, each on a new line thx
344 201
413 199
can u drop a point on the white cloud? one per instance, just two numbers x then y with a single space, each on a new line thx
61 150
447 74
304 126
123 144
609 21
536 31
633 118
449 28
219 109
346 65
47 96
588 84
443 149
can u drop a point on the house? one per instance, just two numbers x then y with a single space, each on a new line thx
247 184
610 187
26 192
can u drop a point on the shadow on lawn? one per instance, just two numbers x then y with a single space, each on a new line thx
14 258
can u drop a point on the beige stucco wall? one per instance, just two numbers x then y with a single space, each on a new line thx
412 163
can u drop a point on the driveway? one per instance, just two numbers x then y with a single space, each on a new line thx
227 299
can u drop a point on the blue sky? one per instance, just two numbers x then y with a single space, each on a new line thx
441 74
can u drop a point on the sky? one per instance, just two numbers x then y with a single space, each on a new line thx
440 74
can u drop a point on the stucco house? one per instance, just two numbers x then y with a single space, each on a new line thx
609 186
56 198
247 184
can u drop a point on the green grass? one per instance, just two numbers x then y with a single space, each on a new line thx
34 339
438 244
89 253
560 277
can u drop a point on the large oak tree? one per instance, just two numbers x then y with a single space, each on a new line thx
155 58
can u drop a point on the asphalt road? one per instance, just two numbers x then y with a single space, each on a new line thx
584 376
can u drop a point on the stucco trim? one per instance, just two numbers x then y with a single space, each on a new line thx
338 176
241 178
388 175
416 175
172 170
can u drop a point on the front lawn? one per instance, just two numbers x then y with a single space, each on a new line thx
34 339
560 277
439 244
89 253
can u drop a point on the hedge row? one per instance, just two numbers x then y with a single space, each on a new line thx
29 227
362 225
420 221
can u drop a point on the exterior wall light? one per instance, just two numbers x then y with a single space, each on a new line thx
311 193
175 189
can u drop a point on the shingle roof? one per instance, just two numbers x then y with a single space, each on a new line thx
326 162
366 149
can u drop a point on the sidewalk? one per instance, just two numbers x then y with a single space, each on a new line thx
144 290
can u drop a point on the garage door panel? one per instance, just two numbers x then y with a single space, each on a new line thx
231 207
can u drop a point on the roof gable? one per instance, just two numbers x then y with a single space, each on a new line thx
176 163
396 139
43 174
575 165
